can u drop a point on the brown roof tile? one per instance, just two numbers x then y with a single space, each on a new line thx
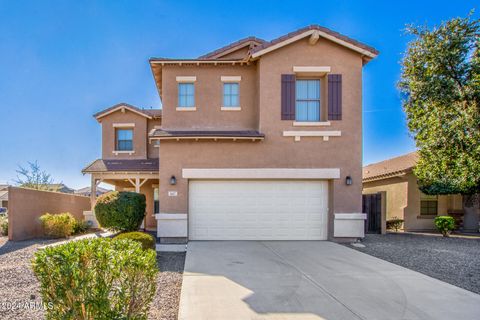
239 43
390 167
195 133
320 28
156 113
101 165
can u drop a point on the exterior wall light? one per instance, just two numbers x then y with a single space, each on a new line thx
348 181
173 180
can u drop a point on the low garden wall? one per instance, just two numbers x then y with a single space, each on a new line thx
25 206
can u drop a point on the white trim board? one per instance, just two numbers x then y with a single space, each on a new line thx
186 78
123 125
262 173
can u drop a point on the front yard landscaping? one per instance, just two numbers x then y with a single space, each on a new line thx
19 285
453 260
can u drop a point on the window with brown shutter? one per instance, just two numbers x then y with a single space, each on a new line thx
288 96
334 97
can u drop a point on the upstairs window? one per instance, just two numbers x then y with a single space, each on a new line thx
124 140
231 94
186 95
307 104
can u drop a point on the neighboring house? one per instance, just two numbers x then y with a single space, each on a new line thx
87 191
256 140
3 196
59 187
403 198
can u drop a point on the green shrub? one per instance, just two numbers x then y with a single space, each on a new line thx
58 225
80 226
146 240
4 225
122 211
96 279
445 224
394 224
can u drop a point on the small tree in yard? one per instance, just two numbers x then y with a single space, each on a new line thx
122 211
441 86
394 224
34 177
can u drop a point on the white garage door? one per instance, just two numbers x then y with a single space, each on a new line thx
258 210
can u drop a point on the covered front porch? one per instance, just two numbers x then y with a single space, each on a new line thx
139 176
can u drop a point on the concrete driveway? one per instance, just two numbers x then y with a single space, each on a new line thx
310 280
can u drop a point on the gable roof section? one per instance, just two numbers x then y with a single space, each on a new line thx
135 165
148 113
251 42
320 31
390 167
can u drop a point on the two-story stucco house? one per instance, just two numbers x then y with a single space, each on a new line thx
256 140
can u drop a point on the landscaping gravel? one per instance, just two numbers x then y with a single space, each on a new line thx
169 284
453 260
19 286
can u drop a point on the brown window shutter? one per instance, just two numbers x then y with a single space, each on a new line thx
288 97
334 97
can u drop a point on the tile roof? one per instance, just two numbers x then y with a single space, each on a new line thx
240 43
4 195
87 190
319 28
120 165
155 113
211 133
390 167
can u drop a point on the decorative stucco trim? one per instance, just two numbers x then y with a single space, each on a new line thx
231 78
350 216
324 134
186 78
262 173
186 109
311 69
117 152
123 125
170 216
311 124
231 108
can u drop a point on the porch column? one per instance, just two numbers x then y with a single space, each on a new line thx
93 192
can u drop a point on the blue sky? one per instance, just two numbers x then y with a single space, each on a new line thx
62 61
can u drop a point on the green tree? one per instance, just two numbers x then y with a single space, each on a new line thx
440 83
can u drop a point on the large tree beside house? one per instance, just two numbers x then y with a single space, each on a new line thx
441 86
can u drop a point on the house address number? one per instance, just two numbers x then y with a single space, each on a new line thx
172 193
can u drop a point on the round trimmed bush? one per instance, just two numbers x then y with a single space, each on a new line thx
146 240
122 210
445 224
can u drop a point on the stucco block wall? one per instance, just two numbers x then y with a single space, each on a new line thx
27 205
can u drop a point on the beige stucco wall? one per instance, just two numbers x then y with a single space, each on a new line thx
209 99
27 205
403 201
275 151
396 193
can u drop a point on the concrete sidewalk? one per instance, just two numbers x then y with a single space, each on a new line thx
310 280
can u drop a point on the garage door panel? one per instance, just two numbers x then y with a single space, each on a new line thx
258 210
